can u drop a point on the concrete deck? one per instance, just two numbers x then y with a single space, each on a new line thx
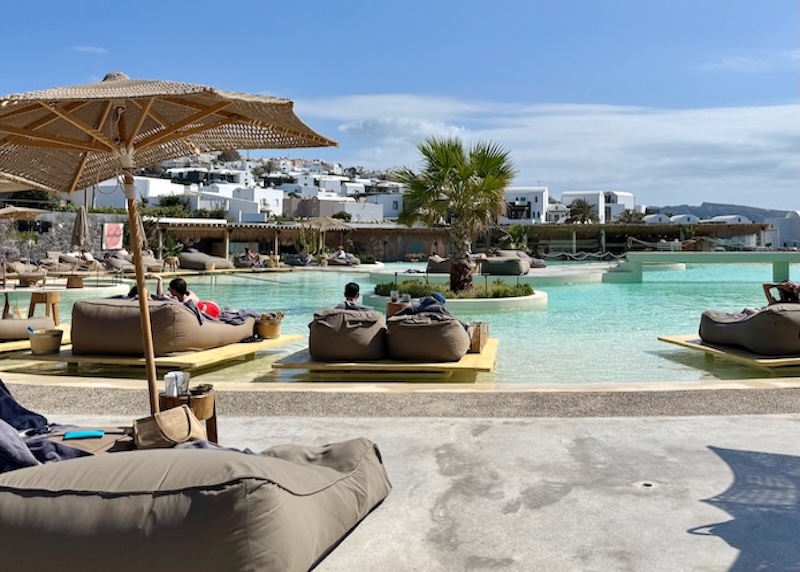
668 477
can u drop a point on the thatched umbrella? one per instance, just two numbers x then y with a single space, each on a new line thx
327 223
68 138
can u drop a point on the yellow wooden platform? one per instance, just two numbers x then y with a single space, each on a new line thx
483 361
183 361
22 345
739 355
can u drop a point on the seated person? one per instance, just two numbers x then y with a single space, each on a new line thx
788 291
433 303
179 290
253 258
159 295
340 254
351 294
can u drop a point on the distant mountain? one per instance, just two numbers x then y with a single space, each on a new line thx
708 210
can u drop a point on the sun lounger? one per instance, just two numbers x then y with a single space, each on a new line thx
738 355
182 361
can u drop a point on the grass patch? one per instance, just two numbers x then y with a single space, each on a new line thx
419 288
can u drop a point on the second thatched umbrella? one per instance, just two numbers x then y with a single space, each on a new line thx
68 138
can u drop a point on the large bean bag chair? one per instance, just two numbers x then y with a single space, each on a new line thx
201 260
189 509
505 266
18 329
772 331
534 262
427 336
438 265
111 326
347 335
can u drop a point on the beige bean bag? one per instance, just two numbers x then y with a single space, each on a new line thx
111 326
188 509
18 329
347 335
200 260
427 336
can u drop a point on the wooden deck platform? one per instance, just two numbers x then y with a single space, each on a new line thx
183 361
483 361
739 355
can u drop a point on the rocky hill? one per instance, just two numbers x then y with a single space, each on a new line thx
708 210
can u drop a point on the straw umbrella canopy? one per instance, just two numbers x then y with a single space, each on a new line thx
69 138
81 235
20 213
327 223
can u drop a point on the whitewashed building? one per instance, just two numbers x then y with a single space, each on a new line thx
596 199
525 205
658 218
684 219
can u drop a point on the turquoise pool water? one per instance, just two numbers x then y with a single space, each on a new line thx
589 333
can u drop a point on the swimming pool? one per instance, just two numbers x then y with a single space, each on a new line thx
589 333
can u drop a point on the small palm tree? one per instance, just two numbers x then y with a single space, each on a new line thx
629 217
462 186
515 238
581 211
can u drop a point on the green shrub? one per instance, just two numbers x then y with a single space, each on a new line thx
419 288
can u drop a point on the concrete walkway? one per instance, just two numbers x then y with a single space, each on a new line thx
601 479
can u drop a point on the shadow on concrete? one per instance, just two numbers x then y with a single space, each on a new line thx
763 501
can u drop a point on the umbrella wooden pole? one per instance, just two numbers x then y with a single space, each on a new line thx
144 309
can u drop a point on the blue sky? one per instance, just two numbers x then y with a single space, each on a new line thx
676 101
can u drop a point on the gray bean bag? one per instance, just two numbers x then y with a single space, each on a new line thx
347 335
534 262
505 266
111 326
189 509
199 261
427 336
18 329
772 331
438 265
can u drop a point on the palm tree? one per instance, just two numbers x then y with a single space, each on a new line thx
629 217
581 211
515 237
462 186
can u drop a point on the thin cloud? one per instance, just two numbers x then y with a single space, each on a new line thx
744 155
754 63
96 50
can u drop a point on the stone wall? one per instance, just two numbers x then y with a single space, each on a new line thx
58 237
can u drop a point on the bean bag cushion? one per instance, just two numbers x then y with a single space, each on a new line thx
199 260
110 326
427 336
18 329
118 264
189 509
772 331
505 266
347 335
438 265
534 262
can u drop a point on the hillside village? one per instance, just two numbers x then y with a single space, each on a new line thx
268 189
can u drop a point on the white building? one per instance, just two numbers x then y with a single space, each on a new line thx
783 232
684 219
658 218
525 205
597 199
391 203
617 202
729 219
557 213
